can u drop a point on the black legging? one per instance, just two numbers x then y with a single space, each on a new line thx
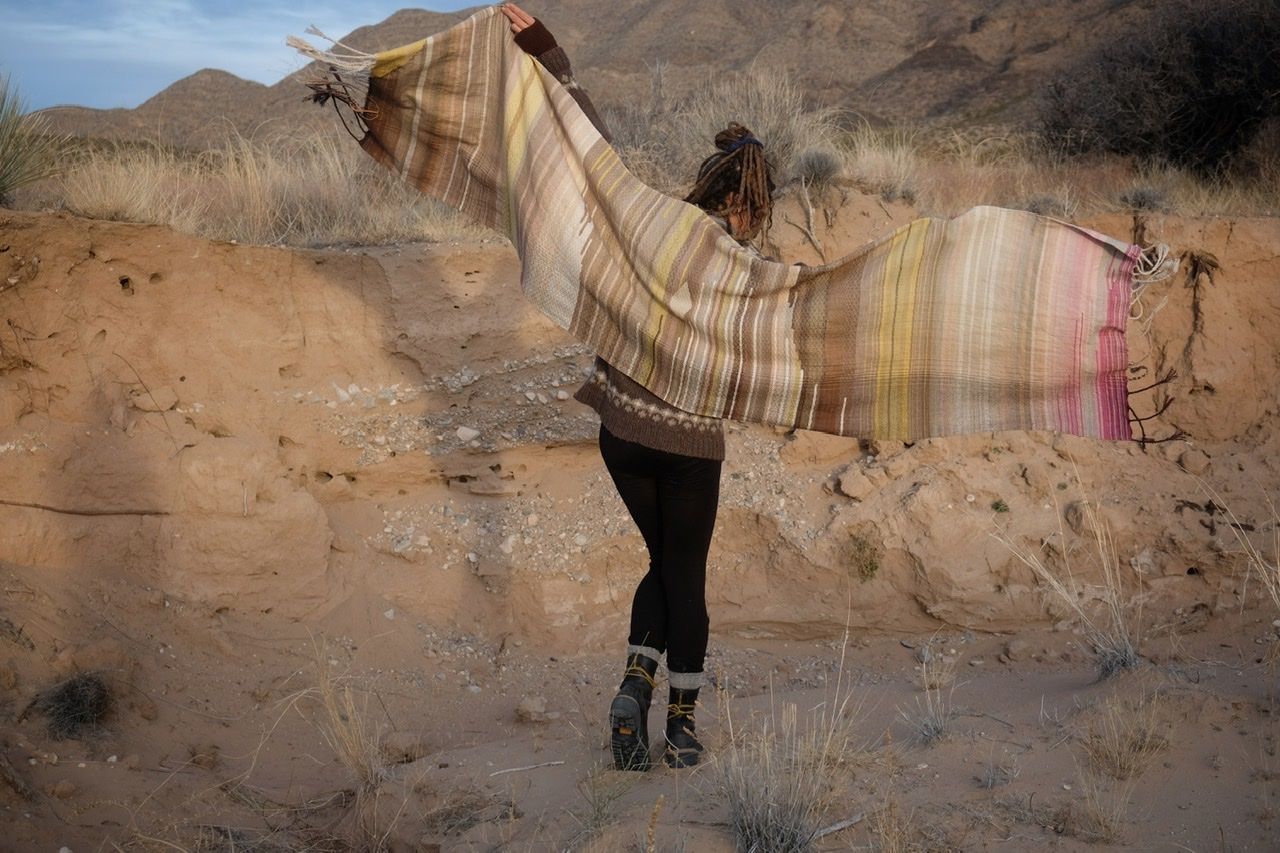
673 500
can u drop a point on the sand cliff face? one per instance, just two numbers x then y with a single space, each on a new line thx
278 432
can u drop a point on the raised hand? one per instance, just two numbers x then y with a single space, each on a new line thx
519 18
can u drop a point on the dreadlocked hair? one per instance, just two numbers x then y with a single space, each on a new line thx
739 169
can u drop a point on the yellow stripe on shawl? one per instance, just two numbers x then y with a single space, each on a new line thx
387 61
522 109
898 291
663 262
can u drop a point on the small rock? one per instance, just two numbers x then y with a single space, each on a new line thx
1016 649
390 613
531 520
885 447
156 400
1194 461
562 395
854 484
532 709
976 662
466 434
542 398
530 396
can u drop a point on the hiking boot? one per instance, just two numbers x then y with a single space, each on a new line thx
629 715
683 747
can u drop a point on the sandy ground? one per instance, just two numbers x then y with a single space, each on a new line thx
235 481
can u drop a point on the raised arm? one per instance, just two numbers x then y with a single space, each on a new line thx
537 41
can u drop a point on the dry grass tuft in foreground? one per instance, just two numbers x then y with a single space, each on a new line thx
347 729
1104 809
27 149
780 774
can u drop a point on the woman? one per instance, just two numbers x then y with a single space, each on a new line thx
665 462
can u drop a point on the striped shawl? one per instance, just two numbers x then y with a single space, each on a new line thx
997 319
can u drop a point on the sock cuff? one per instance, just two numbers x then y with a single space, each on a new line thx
648 651
686 680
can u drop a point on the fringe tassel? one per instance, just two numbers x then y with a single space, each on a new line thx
351 60
1153 265
332 88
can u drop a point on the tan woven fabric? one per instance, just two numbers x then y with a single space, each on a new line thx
997 319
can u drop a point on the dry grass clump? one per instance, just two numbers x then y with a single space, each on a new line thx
275 190
1104 808
931 718
600 791
889 162
28 152
780 775
944 174
348 730
996 773
663 143
891 830
1123 738
76 706
1266 569
1113 633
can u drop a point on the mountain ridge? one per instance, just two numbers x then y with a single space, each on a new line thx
917 63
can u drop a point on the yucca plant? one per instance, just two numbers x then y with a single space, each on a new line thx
27 147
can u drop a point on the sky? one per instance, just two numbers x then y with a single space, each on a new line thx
118 53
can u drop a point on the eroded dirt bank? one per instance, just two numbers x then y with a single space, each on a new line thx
250 454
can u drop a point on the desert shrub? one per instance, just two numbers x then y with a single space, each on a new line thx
1191 87
76 705
27 148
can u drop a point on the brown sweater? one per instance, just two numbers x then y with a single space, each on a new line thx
627 409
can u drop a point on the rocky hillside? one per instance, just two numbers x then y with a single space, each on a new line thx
921 62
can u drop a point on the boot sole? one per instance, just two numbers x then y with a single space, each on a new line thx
629 738
682 759
684 756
